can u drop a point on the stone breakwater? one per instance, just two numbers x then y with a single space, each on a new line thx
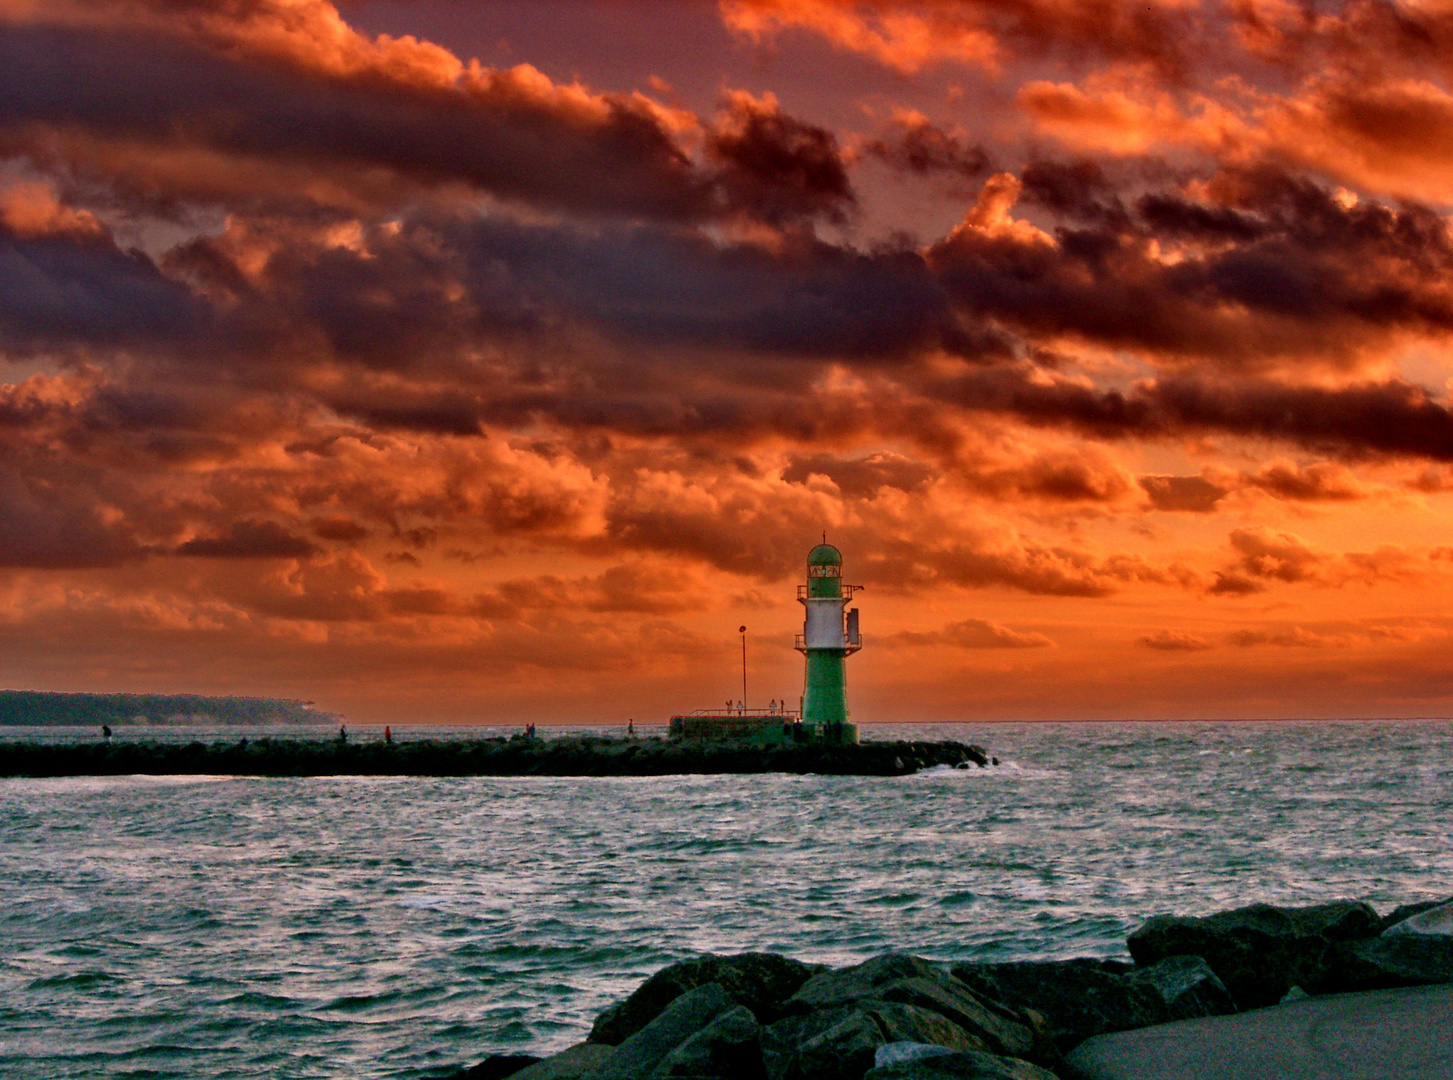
762 1016
517 756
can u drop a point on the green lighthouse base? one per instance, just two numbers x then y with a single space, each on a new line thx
760 729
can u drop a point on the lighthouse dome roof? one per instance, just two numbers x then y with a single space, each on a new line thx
824 555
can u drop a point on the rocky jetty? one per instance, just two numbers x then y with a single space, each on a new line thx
518 756
760 1016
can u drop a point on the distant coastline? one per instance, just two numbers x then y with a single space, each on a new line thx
38 708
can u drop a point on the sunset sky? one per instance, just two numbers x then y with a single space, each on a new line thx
493 361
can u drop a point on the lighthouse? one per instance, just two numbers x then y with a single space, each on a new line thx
829 636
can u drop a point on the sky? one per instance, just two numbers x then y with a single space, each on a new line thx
493 361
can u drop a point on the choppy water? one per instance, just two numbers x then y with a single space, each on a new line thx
364 927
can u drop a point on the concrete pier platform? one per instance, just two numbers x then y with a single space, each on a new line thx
1404 1034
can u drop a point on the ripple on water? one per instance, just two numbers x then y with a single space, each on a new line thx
392 927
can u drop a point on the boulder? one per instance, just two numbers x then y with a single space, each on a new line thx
639 1055
841 1044
834 989
1258 952
843 1051
1435 921
760 981
1407 911
902 1053
1391 960
728 1048
968 1065
495 1067
580 1061
909 1023
781 1039
957 1002
1186 985
911 980
1077 998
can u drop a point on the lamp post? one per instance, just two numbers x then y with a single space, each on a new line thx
743 631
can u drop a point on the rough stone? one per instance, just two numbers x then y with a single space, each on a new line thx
639 1055
760 981
830 1044
728 1048
834 989
1258 952
1383 1035
781 1039
577 1063
1406 911
496 1067
909 1023
1187 986
1436 921
911 980
969 1065
1077 998
958 1002
901 1053
1392 960
843 1051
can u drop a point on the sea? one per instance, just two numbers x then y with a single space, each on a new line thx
389 927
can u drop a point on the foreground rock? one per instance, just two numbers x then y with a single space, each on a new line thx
691 1015
1386 1035
965 1066
908 980
496 1067
1079 999
567 756
1391 961
1426 920
761 1016
761 982
577 1063
1260 952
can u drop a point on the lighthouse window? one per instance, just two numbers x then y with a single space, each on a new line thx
824 571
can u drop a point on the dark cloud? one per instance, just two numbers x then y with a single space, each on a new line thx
341 529
55 523
250 540
1355 421
1317 482
857 477
1231 584
503 132
1314 278
909 35
1072 189
1186 493
776 167
67 291
914 144
1173 641
972 634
